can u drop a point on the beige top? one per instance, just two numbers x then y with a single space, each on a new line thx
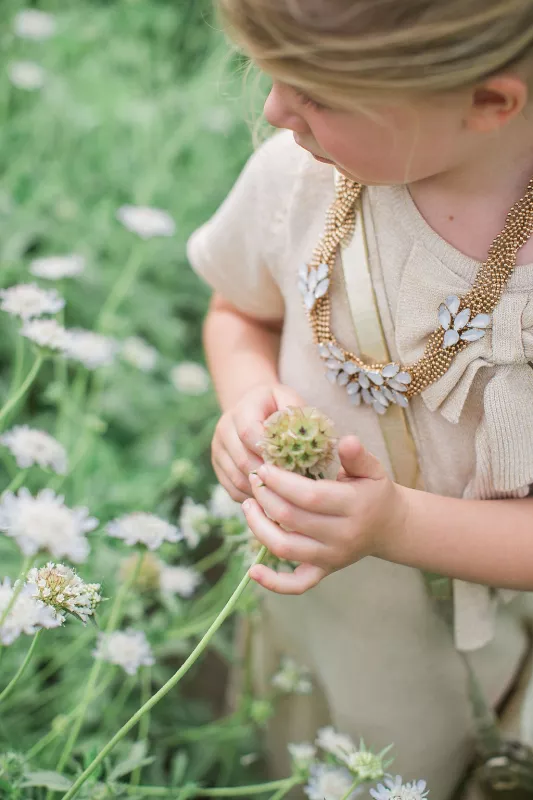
369 631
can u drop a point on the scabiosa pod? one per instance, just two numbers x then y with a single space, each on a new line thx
299 440
292 678
59 587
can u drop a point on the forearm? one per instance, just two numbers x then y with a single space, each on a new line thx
241 352
483 541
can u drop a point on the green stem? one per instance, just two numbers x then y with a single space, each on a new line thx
212 559
17 481
23 388
196 653
111 712
11 685
231 791
357 782
18 587
121 288
284 790
144 725
94 674
19 363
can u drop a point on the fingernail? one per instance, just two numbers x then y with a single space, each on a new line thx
262 471
247 505
254 480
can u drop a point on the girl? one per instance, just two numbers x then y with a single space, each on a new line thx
398 193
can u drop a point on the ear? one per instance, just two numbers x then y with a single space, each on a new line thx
496 102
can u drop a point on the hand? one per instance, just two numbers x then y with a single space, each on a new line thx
324 525
234 450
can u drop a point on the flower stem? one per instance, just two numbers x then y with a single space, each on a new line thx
231 791
357 782
120 289
114 617
23 388
11 685
17 481
144 724
283 791
185 667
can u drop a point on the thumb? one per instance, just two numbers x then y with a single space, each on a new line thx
357 462
250 427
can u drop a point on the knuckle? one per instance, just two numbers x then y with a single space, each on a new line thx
242 484
284 515
284 551
312 498
243 465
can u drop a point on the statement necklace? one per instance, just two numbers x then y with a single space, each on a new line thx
461 320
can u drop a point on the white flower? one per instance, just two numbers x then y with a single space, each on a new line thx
459 324
28 614
190 378
330 783
26 75
91 349
54 268
248 759
218 119
302 754
223 506
140 527
46 333
59 587
27 300
146 222
364 764
128 649
45 523
338 744
292 678
33 24
193 522
397 790
31 446
179 580
139 353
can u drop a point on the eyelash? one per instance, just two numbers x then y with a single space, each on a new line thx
308 101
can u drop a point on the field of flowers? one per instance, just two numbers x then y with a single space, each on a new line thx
121 131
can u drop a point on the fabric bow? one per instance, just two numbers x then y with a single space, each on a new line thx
504 439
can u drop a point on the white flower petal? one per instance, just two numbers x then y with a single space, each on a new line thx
140 527
27 300
54 268
146 222
30 446
190 378
128 649
33 24
26 75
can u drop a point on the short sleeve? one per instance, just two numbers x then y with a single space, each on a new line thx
238 250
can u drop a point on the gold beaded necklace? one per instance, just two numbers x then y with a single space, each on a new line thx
462 320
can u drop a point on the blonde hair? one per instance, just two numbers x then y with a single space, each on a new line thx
342 50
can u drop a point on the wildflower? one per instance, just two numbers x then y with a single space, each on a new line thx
190 378
303 755
59 587
218 119
193 522
91 349
248 759
33 24
54 268
338 744
27 300
27 615
330 783
179 580
140 527
148 574
146 222
45 523
31 446
139 354
183 470
398 790
223 506
26 75
46 333
128 649
364 764
299 440
292 678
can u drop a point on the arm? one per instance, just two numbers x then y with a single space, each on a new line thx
483 541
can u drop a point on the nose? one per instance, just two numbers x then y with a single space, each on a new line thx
280 111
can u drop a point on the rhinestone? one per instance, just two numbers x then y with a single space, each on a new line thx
302 287
355 399
364 380
336 352
353 388
322 271
401 399
342 379
312 280
379 397
390 370
461 320
472 335
350 367
310 301
452 303
323 351
331 376
445 318
367 397
451 337
322 288
394 384
332 363
389 394
481 321
303 272
378 408
377 378
404 377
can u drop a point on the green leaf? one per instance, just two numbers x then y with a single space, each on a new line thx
136 758
48 780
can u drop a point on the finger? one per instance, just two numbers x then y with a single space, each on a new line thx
320 497
242 457
304 577
287 545
318 526
250 426
357 461
230 477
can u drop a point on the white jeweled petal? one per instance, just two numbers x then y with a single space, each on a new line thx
322 288
472 334
462 319
395 384
379 408
336 352
452 302
379 397
353 388
400 399
350 367
403 377
367 397
376 378
343 378
331 376
323 351
302 287
445 317
390 371
355 399
480 321
389 394
333 363
364 380
303 272
312 280
451 337
322 271
309 301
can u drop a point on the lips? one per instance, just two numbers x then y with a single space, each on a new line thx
317 158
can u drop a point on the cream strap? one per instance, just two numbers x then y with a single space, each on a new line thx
373 347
